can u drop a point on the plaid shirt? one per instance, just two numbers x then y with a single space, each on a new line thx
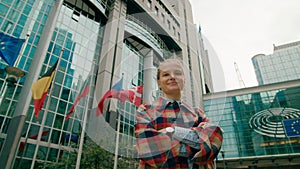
158 150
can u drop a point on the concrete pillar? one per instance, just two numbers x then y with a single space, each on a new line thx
111 55
148 73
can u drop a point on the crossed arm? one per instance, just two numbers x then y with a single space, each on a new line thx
201 143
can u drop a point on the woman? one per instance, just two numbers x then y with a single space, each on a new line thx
170 134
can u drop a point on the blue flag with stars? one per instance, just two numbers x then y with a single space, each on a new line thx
292 127
10 48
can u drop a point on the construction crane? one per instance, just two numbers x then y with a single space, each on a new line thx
239 76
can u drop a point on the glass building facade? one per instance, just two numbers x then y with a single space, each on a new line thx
75 42
261 125
280 66
97 42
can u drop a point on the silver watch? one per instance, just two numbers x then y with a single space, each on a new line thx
170 129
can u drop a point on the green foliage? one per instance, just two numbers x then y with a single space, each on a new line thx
93 157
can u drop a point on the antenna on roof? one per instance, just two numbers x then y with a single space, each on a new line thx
239 76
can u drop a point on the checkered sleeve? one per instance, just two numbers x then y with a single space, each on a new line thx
210 138
155 148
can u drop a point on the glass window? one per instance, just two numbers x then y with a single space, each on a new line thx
246 121
169 24
149 4
7 26
76 16
4 10
18 31
27 9
163 18
156 11
174 30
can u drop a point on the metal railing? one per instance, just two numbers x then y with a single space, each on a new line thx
154 38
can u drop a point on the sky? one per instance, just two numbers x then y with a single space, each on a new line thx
237 30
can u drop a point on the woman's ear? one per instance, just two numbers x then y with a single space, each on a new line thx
158 84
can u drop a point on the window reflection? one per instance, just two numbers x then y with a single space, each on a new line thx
246 120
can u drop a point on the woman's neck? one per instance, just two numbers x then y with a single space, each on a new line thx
173 97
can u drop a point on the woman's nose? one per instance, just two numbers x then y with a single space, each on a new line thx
172 75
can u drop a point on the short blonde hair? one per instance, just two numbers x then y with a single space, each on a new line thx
176 61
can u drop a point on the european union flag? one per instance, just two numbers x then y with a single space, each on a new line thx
292 127
10 48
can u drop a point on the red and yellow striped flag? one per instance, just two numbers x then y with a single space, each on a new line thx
40 89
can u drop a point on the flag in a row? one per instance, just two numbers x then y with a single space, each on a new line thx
10 48
134 95
83 93
41 87
112 93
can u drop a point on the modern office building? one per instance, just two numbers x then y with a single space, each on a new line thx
263 120
205 65
261 125
282 65
99 41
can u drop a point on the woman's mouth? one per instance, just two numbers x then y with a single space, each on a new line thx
173 83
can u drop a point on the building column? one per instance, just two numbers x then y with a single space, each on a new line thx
111 55
148 73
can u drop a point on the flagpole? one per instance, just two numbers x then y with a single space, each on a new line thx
46 112
13 75
117 141
4 87
111 80
86 108
117 134
17 121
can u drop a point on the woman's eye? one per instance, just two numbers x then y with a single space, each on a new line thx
178 73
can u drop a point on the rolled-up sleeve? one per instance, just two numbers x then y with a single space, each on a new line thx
210 141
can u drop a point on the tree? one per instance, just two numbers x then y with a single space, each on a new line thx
93 157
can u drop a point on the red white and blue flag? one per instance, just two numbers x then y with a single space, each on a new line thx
134 95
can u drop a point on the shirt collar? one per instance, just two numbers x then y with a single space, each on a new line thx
164 102
171 100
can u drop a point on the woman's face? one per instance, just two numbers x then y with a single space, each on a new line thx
171 78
